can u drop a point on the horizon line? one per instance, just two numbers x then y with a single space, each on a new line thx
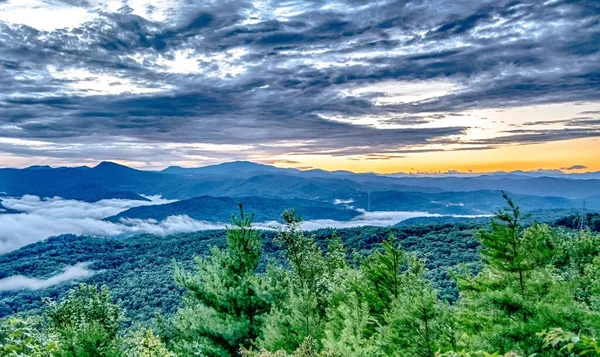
558 171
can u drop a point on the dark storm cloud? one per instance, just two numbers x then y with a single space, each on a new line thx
295 73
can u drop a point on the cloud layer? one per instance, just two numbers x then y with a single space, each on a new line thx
164 81
43 218
20 282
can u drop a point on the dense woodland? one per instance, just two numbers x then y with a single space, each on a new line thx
532 290
139 270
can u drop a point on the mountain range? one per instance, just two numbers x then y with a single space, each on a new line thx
318 189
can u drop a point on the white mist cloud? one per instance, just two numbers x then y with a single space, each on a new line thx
339 201
43 218
378 218
57 207
170 225
20 282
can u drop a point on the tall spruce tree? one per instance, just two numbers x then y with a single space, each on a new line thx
224 302
302 315
417 323
502 248
382 271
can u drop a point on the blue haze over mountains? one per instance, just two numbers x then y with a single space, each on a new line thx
210 193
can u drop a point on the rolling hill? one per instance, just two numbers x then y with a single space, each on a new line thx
220 209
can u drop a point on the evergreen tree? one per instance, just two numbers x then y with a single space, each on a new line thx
87 323
382 270
417 323
312 278
503 248
347 330
301 315
519 292
224 302
534 284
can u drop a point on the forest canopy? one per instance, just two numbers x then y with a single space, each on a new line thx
535 291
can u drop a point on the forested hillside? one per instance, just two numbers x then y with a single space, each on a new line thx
592 220
139 269
535 291
219 209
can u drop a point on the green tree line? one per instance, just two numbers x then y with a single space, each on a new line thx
536 293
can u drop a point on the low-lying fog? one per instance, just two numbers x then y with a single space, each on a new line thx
43 218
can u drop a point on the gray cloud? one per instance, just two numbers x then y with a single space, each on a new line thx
574 167
230 72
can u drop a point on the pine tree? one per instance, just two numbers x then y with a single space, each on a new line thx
417 322
347 330
224 302
311 277
383 275
335 258
87 323
503 246
519 292
300 315
508 252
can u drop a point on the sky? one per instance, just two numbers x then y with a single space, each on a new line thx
384 86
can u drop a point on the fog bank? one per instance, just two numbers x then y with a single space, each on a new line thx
43 218
20 282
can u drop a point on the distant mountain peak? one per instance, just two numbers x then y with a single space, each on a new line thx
38 167
243 164
111 165
226 167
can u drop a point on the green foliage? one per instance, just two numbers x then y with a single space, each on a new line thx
144 343
139 270
301 314
224 302
22 337
382 273
572 221
347 330
293 294
86 304
417 323
306 349
504 249
477 354
521 290
87 323
570 343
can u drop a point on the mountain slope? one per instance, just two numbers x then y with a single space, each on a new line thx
240 167
78 183
458 203
220 209
243 179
